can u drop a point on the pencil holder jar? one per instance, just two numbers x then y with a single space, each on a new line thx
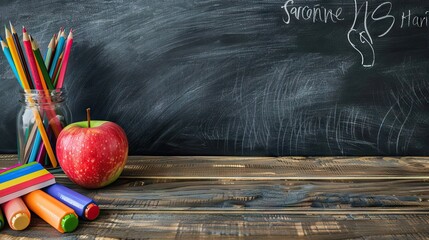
42 116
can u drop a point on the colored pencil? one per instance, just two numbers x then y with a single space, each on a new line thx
34 149
57 69
31 59
32 137
41 154
41 128
48 56
40 85
56 125
8 56
58 52
41 65
21 55
65 60
15 57
58 35
38 147
45 138
47 84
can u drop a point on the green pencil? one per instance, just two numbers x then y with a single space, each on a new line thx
41 64
49 53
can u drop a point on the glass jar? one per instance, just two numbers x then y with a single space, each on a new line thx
42 116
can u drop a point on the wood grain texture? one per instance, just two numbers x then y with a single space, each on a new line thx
143 225
219 77
224 196
269 168
286 168
208 204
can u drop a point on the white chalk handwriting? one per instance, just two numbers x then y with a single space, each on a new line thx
359 35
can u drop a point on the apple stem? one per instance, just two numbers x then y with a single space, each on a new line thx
88 116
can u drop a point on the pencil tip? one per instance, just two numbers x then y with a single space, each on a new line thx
23 29
6 31
11 27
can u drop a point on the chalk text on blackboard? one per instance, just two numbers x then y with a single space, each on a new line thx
411 20
359 35
317 13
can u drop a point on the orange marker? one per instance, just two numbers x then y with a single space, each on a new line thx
58 215
17 214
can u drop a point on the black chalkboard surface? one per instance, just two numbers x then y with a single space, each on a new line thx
217 77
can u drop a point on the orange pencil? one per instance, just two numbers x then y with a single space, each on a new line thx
58 215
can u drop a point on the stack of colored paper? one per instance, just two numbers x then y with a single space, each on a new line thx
22 180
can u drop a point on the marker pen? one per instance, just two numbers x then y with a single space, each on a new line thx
84 206
1 220
58 215
16 213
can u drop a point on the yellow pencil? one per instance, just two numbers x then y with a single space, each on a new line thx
15 56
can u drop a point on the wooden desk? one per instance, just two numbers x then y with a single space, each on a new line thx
256 197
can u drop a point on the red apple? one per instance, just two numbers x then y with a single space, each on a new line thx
94 156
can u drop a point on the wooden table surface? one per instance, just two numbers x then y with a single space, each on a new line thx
255 198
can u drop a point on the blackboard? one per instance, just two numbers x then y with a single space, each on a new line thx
217 77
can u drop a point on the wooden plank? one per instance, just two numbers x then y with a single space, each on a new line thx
143 225
387 196
285 168
270 168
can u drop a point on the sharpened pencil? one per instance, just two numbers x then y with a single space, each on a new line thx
21 55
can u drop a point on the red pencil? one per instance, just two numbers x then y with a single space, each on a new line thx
31 59
65 60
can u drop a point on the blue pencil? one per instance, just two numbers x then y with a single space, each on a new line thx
58 52
8 55
35 147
